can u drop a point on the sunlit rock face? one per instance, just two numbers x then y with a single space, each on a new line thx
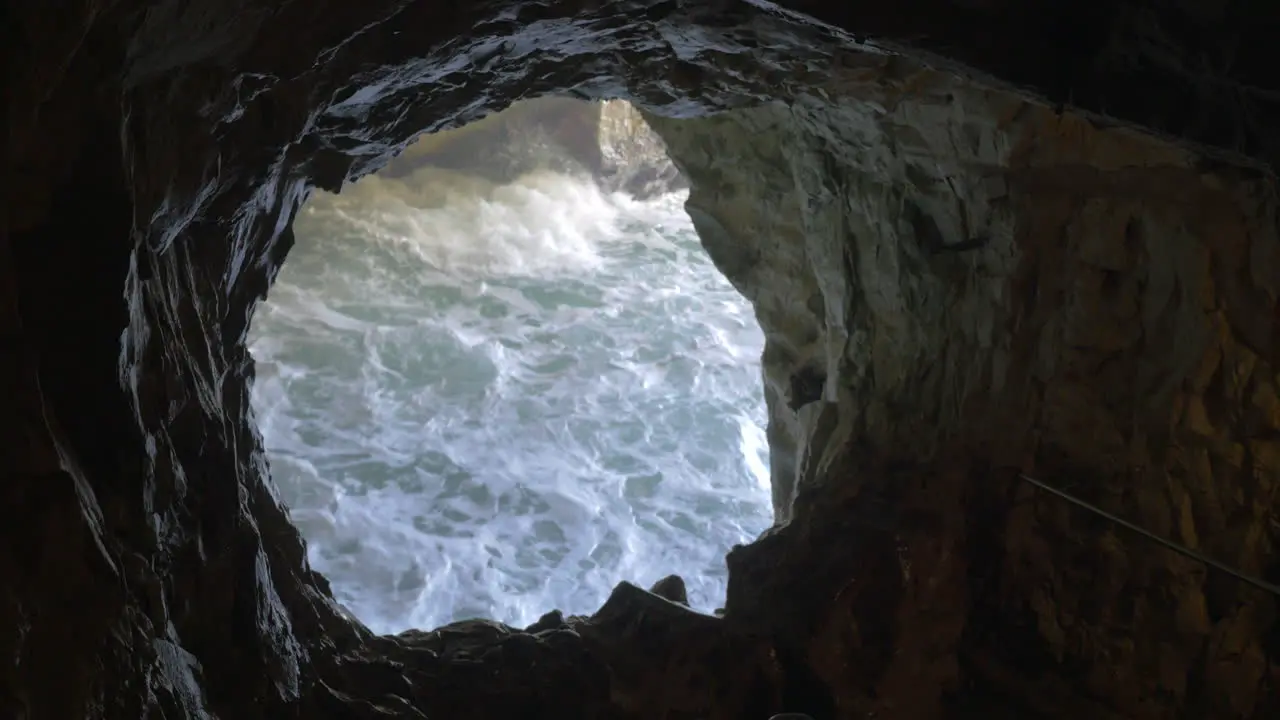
957 286
635 158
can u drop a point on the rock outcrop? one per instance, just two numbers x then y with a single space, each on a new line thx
959 282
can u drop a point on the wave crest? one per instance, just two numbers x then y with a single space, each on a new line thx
467 226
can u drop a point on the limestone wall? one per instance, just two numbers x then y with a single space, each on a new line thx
983 288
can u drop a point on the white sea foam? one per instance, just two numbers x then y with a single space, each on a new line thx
493 401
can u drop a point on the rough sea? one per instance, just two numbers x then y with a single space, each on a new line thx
491 401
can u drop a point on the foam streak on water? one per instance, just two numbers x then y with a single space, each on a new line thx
487 401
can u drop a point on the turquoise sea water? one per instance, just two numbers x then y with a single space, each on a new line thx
491 401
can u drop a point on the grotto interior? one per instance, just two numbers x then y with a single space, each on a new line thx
984 239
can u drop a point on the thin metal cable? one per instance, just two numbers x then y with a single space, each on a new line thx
1181 550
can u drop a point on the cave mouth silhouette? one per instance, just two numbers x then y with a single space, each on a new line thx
492 383
157 157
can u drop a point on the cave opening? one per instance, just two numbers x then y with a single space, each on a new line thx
159 152
502 375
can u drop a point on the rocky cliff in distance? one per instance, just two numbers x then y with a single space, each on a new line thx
608 141
983 239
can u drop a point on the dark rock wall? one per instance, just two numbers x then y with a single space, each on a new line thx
607 141
987 288
155 153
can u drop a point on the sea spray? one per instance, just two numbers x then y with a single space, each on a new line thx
490 400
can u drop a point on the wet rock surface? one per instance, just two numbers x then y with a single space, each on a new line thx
1113 331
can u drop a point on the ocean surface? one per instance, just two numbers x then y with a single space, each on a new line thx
491 401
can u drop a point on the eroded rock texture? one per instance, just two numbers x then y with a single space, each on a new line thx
957 285
986 288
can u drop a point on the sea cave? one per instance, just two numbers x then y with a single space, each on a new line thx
986 244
